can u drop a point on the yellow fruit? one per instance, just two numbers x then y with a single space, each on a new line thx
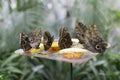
35 51
55 47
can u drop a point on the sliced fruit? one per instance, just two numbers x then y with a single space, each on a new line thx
54 47
73 50
73 55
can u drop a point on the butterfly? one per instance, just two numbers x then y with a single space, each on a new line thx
47 40
65 38
24 42
90 37
30 40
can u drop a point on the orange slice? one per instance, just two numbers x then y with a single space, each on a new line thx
73 55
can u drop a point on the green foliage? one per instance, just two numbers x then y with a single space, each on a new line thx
31 14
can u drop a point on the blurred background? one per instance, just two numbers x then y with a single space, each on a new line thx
26 15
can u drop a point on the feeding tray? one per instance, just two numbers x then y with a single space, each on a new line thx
71 55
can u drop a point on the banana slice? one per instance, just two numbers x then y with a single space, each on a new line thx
73 50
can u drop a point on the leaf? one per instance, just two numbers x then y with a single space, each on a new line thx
14 70
13 56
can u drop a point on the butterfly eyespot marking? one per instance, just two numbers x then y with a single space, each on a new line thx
82 35
97 47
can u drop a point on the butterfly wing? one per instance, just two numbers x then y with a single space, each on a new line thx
24 42
65 39
35 38
80 29
47 40
94 41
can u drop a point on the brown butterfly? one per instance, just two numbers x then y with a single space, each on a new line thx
90 37
65 39
24 42
47 40
30 40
